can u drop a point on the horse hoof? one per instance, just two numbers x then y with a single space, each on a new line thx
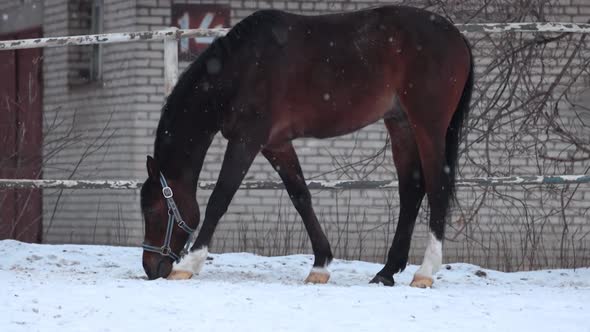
179 275
421 282
385 281
318 276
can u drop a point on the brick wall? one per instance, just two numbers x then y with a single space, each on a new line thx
18 15
8 5
90 127
115 119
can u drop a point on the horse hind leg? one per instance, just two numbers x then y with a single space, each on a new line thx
284 160
411 193
438 188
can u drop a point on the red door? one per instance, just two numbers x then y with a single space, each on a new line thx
21 129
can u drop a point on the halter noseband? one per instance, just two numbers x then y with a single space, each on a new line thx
173 215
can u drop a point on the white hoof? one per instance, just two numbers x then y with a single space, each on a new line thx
318 275
191 263
421 282
179 275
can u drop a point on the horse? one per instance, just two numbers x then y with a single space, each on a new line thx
277 76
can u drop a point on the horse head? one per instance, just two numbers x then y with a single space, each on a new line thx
168 232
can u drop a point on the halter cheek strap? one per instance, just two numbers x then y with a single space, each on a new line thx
173 215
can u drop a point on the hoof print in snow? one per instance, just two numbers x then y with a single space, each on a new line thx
34 258
382 280
481 274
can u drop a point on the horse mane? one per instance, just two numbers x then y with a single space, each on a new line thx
252 28
243 33
259 23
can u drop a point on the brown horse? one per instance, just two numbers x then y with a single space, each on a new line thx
276 77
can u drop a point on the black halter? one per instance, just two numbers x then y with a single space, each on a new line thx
173 214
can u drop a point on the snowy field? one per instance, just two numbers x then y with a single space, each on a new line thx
101 288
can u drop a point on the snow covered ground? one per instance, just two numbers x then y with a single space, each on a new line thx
101 288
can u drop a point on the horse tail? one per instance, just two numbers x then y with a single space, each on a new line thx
454 132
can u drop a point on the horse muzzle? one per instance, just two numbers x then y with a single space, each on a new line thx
156 267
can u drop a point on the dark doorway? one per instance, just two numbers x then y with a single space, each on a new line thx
21 138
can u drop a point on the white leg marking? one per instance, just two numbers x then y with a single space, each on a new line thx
192 262
322 270
432 259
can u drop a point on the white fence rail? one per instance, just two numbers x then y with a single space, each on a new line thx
172 35
111 38
314 185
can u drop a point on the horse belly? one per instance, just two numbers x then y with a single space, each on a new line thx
337 103
345 120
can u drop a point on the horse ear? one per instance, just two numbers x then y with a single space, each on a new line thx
153 168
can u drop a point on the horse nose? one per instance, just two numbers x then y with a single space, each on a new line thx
150 270
160 268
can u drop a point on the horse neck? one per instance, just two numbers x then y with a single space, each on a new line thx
190 118
181 144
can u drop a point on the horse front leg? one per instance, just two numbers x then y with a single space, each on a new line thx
284 160
239 155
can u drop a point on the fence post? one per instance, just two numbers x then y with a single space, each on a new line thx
170 61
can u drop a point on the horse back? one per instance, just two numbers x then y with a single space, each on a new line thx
329 75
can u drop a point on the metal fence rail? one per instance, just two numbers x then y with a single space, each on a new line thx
524 27
112 38
173 33
313 185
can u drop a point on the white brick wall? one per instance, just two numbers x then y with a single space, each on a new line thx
360 224
101 117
